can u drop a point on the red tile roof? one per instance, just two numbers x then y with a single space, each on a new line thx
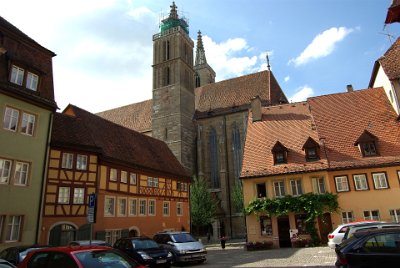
391 61
76 128
337 119
342 118
291 125
238 92
135 116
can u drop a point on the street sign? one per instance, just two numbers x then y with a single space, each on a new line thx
91 215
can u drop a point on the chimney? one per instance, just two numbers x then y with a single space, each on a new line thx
256 108
349 88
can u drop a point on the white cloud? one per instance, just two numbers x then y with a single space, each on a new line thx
302 94
322 45
287 78
225 57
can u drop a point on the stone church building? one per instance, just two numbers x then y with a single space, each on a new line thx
202 121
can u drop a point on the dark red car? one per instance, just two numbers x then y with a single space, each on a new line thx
78 257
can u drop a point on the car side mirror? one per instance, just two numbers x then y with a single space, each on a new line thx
170 243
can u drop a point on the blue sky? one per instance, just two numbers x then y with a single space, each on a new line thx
104 47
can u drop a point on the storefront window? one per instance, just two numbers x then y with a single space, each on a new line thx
301 224
266 225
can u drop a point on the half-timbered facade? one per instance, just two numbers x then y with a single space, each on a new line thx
140 186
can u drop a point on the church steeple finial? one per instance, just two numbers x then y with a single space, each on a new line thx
268 66
200 53
173 14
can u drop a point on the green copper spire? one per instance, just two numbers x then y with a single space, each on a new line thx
174 21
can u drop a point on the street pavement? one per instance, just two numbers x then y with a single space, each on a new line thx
234 255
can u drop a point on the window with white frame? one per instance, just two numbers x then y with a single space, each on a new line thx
109 206
347 216
152 207
181 186
360 182
318 185
5 170
113 174
279 188
111 236
261 189
10 120
121 207
81 162
380 181
342 184
295 185
142 207
166 205
13 228
67 160
21 173
394 215
133 178
124 176
179 209
28 123
63 195
132 207
17 75
32 81
371 215
79 195
152 182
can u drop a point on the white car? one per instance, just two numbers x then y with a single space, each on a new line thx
336 237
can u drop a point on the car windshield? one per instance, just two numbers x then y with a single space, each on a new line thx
23 254
183 238
144 244
104 259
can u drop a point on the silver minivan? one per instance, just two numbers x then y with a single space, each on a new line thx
368 226
182 245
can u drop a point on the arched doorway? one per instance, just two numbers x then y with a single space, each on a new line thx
133 232
62 234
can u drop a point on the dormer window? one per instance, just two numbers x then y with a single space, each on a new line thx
311 148
367 144
29 80
280 153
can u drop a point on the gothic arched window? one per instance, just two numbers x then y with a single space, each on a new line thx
215 180
197 79
166 50
166 77
237 151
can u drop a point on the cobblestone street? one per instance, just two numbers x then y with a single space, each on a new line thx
235 256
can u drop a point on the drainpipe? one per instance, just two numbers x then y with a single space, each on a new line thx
44 179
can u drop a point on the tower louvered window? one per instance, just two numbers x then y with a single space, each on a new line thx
215 180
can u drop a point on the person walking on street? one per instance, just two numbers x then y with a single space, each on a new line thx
223 240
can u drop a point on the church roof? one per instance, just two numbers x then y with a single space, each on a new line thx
336 121
236 93
135 116
76 128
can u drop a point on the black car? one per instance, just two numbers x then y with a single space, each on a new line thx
145 250
372 248
16 254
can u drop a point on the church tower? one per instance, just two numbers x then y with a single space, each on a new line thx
204 74
173 88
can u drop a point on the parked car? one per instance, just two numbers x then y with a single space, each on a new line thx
16 254
145 251
182 245
336 236
78 257
6 264
89 243
370 249
368 226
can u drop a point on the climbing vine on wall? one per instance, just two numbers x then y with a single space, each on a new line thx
313 205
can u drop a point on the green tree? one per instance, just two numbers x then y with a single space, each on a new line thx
203 206
237 197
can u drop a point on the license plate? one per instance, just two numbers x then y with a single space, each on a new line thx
161 261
